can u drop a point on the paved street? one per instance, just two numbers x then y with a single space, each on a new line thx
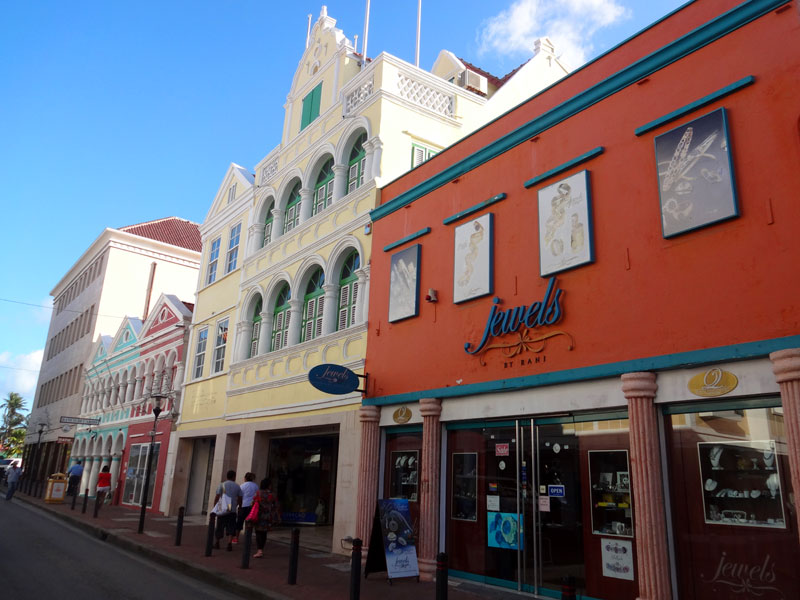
43 557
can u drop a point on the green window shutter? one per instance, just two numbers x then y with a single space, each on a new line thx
311 106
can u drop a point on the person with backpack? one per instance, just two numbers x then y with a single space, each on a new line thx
267 515
226 503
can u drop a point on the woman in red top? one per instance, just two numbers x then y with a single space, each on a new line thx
103 483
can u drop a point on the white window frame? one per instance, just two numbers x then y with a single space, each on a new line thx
219 348
200 353
233 248
213 260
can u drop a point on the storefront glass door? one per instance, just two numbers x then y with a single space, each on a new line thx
538 505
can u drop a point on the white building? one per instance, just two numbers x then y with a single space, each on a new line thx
121 274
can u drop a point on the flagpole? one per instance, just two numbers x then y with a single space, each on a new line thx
419 20
366 33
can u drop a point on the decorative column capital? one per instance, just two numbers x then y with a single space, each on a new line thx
639 385
369 414
786 364
430 407
340 169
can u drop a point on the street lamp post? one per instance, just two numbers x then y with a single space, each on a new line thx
156 411
37 456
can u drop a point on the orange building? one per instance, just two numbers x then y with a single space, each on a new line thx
584 341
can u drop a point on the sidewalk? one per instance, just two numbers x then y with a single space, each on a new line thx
320 575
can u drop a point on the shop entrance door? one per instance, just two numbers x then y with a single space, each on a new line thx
532 504
556 505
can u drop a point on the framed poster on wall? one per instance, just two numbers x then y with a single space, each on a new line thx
695 174
404 284
565 225
472 259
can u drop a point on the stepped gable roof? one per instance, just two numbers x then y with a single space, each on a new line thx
496 81
171 230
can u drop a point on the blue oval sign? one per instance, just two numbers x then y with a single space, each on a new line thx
333 379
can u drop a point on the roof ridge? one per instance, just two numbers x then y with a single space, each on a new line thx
157 221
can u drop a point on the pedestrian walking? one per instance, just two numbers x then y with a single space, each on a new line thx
75 472
226 501
267 515
13 473
249 490
103 484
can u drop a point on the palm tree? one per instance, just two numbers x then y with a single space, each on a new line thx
12 417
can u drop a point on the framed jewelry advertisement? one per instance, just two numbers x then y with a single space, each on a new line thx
404 284
695 174
472 264
565 225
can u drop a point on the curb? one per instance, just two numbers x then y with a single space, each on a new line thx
217 579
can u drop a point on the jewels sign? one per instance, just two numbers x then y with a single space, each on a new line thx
333 379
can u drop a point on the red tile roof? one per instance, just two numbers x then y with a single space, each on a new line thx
172 230
493 79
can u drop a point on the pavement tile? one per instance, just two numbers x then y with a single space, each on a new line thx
266 577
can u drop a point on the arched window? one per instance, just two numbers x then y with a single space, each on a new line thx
292 219
256 329
323 190
348 292
313 304
280 322
358 158
268 225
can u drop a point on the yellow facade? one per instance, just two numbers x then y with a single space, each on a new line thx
358 134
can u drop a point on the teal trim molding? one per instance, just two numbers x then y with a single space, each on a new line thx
744 351
567 165
691 42
473 209
404 429
722 404
685 110
406 239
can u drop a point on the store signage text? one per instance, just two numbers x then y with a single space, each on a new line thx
333 379
556 491
746 578
520 320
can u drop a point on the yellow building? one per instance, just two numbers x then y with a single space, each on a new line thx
286 271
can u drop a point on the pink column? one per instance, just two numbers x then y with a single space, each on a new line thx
786 366
367 472
648 492
428 542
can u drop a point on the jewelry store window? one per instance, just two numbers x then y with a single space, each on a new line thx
733 509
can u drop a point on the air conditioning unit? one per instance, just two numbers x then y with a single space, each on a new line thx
473 81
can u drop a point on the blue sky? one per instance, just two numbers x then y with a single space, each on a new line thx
114 113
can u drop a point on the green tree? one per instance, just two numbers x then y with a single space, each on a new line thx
13 423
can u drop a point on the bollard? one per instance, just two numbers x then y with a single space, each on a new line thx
294 553
441 576
85 500
74 498
212 521
247 545
568 588
355 570
179 529
97 502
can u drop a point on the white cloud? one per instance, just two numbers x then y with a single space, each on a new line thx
570 25
19 373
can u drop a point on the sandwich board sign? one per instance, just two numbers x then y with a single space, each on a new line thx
392 547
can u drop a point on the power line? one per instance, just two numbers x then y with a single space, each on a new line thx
53 307
19 369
